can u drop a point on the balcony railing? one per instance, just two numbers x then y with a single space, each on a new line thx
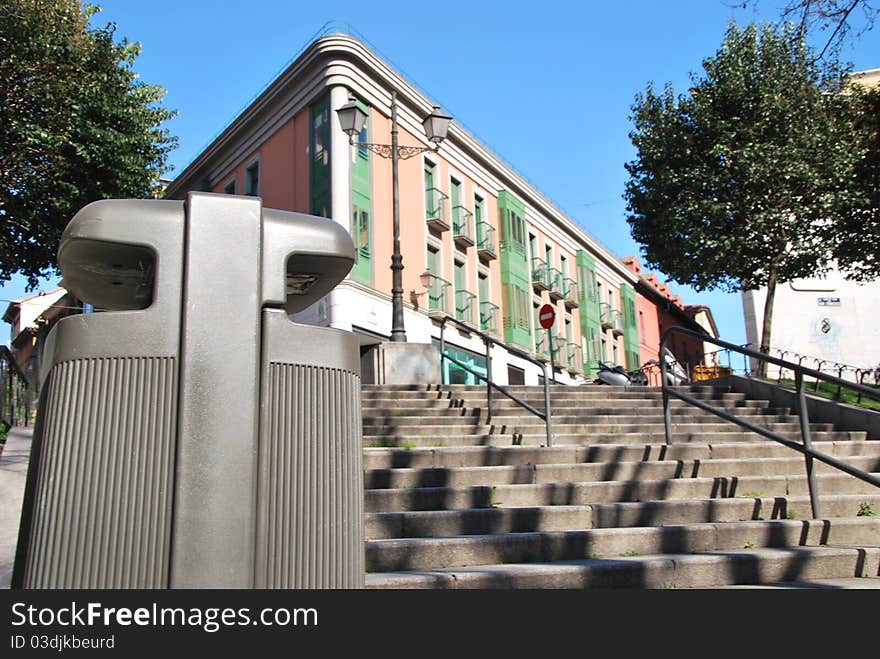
437 294
610 318
464 306
486 241
540 275
570 292
555 281
542 345
617 321
593 355
461 226
489 317
574 358
435 209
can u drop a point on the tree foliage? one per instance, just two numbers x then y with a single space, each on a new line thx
746 180
76 125
857 236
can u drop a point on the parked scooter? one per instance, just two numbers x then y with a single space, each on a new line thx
619 376
675 374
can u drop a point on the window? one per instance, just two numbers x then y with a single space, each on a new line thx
252 180
516 305
483 286
429 189
319 147
563 266
478 208
229 188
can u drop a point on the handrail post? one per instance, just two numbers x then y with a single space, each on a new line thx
488 379
442 346
803 414
667 420
547 408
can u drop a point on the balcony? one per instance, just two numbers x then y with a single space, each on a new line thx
461 227
464 306
555 282
489 317
540 275
593 354
617 322
574 358
437 294
435 213
542 346
609 317
486 241
570 293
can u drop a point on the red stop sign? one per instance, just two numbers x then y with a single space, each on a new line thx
546 316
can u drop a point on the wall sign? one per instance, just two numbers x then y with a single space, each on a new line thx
829 301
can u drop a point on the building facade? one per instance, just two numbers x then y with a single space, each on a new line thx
492 248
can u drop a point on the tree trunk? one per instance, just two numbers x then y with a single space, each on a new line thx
768 319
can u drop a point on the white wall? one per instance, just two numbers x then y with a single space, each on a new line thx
831 319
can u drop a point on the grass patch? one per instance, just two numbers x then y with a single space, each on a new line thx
866 509
752 495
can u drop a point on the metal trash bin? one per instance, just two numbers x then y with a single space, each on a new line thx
190 435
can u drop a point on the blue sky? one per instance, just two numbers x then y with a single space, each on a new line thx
547 86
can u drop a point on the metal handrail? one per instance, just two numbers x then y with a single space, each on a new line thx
489 341
14 393
806 445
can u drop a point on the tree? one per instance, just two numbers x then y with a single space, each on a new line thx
76 125
838 16
739 184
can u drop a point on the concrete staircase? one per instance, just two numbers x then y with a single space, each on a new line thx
455 502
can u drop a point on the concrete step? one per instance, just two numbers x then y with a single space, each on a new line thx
478 399
600 471
556 393
604 390
663 571
842 583
500 436
487 521
462 551
565 493
526 426
482 456
465 415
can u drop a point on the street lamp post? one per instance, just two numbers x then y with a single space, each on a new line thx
352 119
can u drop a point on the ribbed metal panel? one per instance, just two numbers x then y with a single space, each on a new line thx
310 530
102 507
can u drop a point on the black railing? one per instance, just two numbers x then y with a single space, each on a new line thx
806 445
489 341
14 390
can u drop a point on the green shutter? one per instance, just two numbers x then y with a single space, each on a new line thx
588 307
514 270
630 325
